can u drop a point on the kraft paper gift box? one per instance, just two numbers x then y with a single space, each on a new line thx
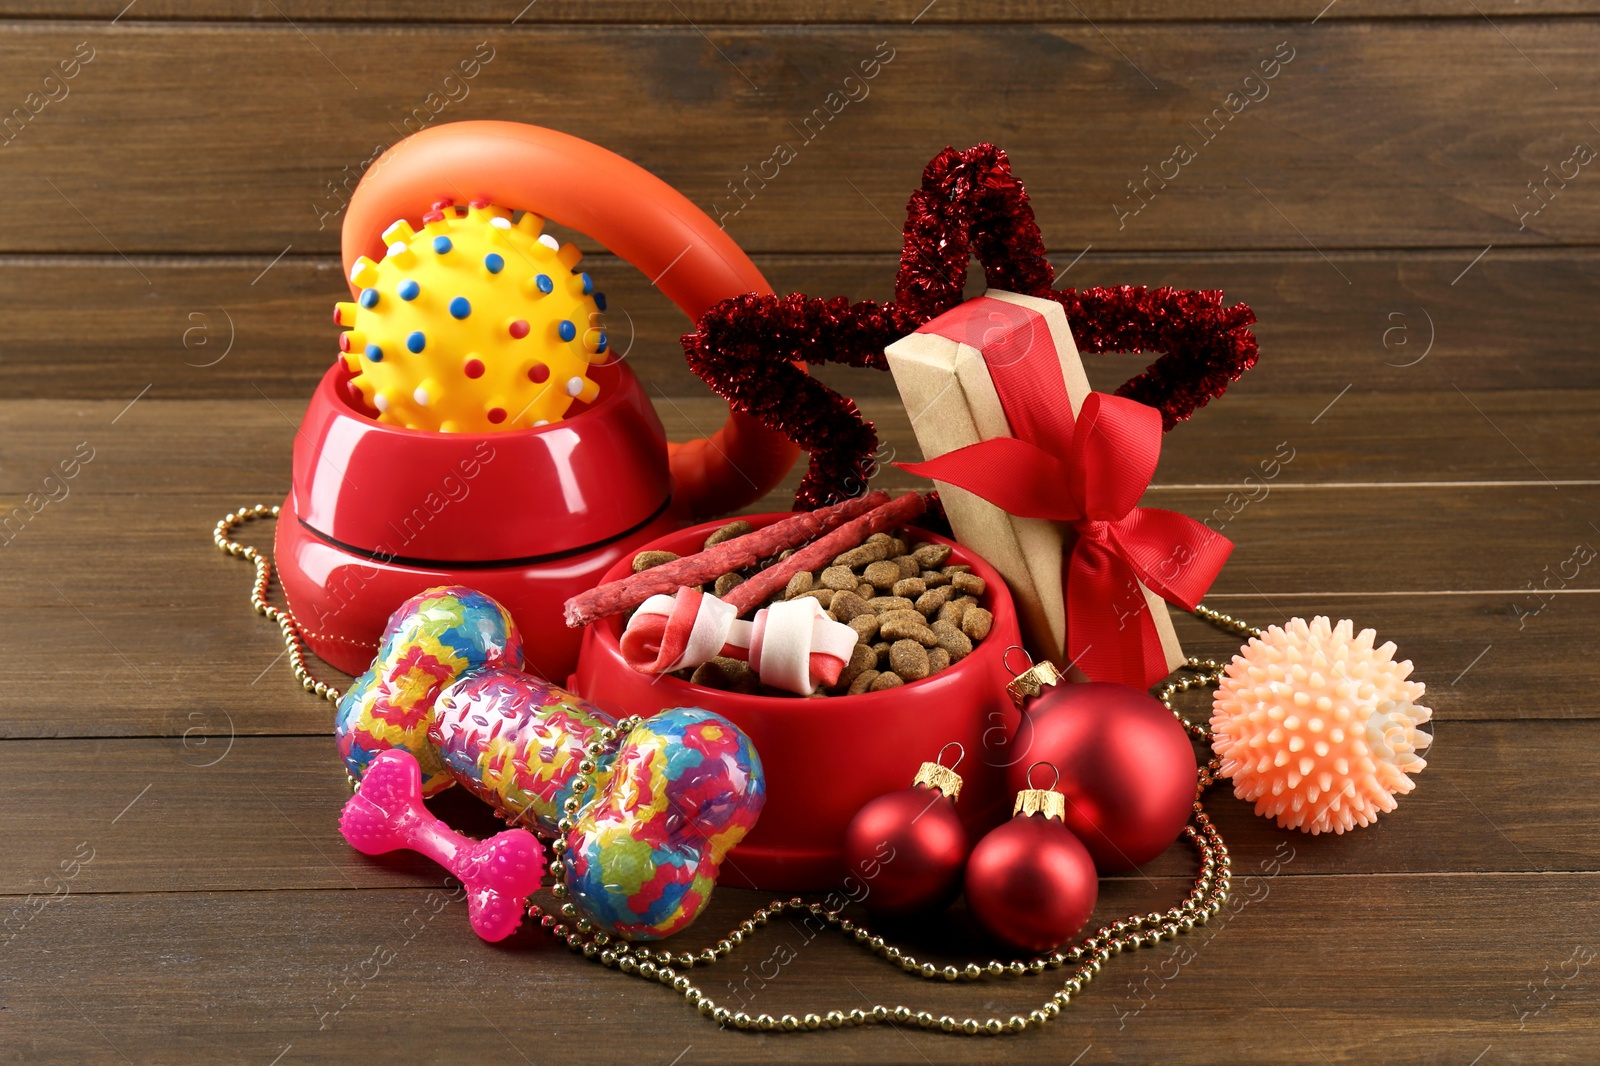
952 402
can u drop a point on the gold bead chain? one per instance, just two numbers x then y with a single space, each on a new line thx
1203 901
294 647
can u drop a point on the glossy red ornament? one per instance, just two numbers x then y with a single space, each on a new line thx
1030 883
1127 767
908 849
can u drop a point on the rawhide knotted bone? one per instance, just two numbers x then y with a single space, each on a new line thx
387 814
792 645
518 742
736 553
431 639
686 786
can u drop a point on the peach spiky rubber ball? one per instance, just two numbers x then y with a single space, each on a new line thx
1318 727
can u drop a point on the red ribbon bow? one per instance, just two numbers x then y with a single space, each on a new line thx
1090 471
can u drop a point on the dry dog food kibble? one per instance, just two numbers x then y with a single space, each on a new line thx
839 578
728 532
913 611
952 640
645 560
733 675
970 583
866 627
976 623
909 587
909 660
863 681
882 574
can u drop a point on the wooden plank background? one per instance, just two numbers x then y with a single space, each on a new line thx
1426 318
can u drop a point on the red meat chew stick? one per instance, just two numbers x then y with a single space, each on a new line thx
820 552
735 554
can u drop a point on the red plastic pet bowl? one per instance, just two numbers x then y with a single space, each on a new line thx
825 758
378 513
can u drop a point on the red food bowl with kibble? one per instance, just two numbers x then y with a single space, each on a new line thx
824 758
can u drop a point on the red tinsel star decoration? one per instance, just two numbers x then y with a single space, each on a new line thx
969 205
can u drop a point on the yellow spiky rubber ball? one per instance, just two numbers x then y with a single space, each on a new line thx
1317 727
477 324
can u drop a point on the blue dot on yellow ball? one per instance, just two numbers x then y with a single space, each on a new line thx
494 263
375 353
409 290
441 245
369 298
460 308
588 284
567 330
601 346
416 341
600 300
544 283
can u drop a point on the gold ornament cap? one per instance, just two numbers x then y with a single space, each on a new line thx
1045 801
944 779
1032 681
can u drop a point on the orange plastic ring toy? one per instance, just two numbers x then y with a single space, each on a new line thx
632 212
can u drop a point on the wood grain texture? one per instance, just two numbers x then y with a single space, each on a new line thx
242 448
214 976
1404 135
120 573
211 668
167 267
238 814
1283 546
788 12
244 327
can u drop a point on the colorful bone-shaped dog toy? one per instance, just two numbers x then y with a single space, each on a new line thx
430 641
792 645
685 787
386 814
665 804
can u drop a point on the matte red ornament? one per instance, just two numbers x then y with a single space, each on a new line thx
908 848
1127 767
1030 882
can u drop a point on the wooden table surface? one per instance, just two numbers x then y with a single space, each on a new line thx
1406 203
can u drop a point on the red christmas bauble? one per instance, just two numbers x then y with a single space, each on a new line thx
1127 768
1031 883
907 849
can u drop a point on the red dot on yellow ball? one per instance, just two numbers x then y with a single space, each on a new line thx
473 368
519 329
497 415
538 373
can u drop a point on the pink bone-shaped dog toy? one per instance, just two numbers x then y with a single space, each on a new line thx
792 645
387 814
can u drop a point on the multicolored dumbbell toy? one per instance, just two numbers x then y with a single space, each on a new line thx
641 819
386 814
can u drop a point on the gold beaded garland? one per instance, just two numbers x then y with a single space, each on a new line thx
1203 901
222 537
